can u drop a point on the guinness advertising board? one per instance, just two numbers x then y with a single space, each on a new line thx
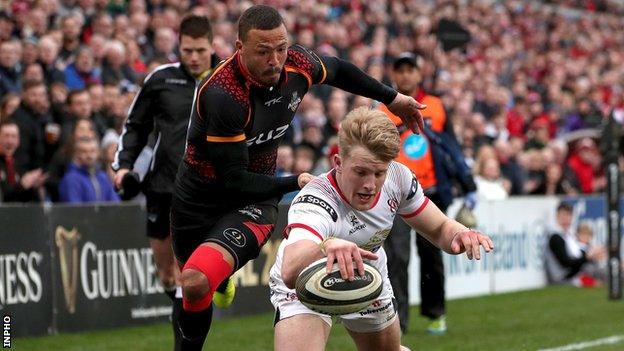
104 268
25 270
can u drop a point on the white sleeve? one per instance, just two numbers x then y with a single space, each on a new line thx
298 233
312 217
413 200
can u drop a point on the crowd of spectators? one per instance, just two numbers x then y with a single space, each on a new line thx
527 94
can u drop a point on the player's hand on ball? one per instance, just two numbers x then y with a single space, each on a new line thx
346 253
408 109
303 179
470 241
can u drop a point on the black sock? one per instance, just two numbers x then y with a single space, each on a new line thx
171 293
221 288
175 316
194 327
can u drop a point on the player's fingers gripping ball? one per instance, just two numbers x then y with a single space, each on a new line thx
330 294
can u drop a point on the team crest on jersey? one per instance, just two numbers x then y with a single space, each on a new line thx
353 219
394 204
311 199
355 223
294 102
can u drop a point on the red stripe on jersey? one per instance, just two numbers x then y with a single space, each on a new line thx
418 210
302 226
261 231
331 175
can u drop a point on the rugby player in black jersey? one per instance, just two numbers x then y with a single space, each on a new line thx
162 107
225 199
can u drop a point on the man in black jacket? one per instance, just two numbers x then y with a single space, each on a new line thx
16 186
565 257
31 117
162 107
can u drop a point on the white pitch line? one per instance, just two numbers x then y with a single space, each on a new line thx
587 344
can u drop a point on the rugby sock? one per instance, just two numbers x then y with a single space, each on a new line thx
194 327
175 294
171 292
175 316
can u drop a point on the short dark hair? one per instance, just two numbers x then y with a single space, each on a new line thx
196 27
32 83
258 17
565 206
72 94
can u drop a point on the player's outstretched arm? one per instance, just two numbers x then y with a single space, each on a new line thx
346 76
297 256
220 122
448 234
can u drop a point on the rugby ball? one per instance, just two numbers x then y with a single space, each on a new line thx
332 295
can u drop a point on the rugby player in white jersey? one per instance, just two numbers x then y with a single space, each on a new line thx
346 214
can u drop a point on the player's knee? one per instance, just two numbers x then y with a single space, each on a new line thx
195 285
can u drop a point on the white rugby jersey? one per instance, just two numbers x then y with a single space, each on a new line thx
321 209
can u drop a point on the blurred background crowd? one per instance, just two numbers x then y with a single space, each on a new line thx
527 85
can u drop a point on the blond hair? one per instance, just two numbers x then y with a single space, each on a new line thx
371 129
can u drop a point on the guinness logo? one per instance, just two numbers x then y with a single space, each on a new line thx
67 244
235 237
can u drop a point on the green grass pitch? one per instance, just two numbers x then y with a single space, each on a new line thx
528 320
